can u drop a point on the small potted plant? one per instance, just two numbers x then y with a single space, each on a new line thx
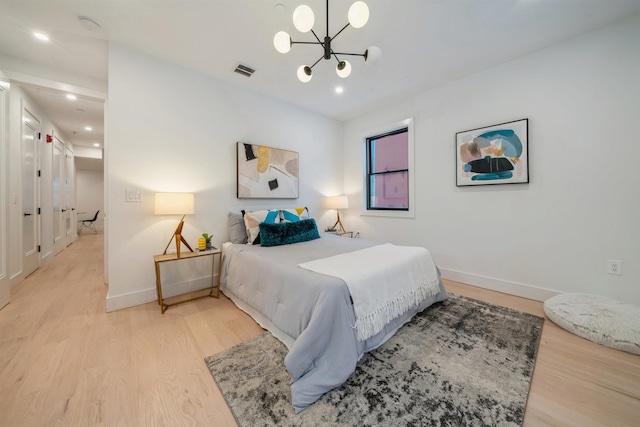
207 239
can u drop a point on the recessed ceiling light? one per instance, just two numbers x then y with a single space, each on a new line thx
41 36
71 96
95 144
339 89
88 128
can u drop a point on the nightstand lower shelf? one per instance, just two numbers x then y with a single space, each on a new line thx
214 290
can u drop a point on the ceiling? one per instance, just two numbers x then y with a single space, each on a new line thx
424 43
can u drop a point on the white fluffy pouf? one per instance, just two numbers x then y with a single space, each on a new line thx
599 319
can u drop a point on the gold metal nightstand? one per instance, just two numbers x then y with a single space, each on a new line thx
340 233
215 282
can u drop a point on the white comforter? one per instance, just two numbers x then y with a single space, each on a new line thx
311 313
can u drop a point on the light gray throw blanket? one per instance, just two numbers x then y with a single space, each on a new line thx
388 281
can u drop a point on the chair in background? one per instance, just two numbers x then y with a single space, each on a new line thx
89 224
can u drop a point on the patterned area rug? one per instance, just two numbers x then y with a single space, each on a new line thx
459 362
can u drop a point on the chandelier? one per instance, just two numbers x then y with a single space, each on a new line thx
303 20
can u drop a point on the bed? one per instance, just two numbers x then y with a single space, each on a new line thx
310 312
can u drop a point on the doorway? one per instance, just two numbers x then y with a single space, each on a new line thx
30 138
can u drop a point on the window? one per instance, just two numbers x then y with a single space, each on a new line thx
389 178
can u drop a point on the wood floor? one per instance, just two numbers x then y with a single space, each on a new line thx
65 362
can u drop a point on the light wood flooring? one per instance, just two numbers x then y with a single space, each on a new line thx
65 362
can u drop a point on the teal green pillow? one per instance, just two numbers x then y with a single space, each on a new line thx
286 233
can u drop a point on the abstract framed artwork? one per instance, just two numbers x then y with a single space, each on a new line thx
495 154
266 173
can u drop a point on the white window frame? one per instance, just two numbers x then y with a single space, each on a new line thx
410 213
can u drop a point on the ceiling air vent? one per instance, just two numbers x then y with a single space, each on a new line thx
244 70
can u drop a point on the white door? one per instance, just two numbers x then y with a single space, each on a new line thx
58 160
69 191
5 286
30 218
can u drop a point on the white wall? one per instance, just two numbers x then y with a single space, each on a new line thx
90 196
171 129
582 98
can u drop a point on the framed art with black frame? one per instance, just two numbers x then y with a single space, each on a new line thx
497 154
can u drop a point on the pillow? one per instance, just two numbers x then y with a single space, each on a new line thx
286 233
293 215
252 221
237 230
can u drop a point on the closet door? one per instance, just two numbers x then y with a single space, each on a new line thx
5 286
69 199
59 219
30 193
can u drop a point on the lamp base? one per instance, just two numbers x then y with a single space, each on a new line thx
338 222
179 239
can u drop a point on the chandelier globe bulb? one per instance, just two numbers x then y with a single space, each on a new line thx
343 69
358 14
282 42
372 55
304 73
303 18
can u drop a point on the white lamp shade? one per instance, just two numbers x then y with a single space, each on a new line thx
373 55
174 204
302 76
282 42
337 202
344 73
358 14
303 18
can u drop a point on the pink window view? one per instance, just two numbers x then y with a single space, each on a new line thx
389 171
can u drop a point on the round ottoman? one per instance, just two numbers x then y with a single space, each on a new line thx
599 319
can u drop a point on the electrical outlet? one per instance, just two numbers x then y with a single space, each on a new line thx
614 266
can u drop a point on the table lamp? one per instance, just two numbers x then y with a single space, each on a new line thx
175 204
337 203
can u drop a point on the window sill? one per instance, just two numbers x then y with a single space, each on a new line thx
389 214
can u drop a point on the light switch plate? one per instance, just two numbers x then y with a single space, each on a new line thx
133 196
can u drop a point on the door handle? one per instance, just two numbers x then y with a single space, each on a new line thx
64 210
27 214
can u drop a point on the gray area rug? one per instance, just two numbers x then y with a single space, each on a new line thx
459 362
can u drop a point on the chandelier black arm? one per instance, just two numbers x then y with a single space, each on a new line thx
343 53
292 42
338 33
314 64
316 36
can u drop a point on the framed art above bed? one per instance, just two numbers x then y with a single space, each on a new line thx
266 173
497 154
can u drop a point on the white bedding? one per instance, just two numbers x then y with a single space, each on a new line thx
310 312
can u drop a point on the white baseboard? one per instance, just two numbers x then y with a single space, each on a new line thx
119 302
511 288
47 258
